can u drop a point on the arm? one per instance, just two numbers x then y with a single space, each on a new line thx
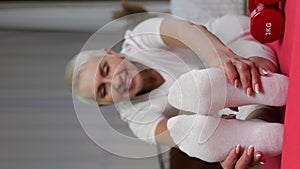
184 34
214 53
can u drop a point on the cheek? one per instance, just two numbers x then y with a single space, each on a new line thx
124 64
116 96
118 64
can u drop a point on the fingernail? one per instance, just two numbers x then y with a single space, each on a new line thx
249 92
258 156
250 150
256 88
237 149
262 161
264 72
236 83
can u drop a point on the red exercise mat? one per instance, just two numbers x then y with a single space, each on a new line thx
288 51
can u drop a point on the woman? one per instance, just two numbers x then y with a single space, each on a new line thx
157 52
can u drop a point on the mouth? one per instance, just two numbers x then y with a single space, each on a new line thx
131 84
127 82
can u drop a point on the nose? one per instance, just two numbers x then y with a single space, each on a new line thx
114 81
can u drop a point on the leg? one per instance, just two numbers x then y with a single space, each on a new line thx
210 88
210 138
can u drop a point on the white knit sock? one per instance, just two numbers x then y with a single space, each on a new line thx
211 139
208 90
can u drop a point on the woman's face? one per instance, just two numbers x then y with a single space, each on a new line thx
110 79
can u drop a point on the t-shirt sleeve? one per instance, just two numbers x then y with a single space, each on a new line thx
143 117
147 34
145 130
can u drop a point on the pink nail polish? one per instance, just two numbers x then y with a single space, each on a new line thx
263 161
256 88
257 156
264 72
250 150
237 149
249 92
236 83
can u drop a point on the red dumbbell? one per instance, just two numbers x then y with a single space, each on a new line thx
268 2
267 21
252 4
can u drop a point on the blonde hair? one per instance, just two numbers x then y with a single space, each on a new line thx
75 66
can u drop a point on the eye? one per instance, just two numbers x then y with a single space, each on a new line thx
102 90
105 69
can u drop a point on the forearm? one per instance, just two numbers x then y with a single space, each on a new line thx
196 37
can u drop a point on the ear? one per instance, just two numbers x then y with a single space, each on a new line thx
111 52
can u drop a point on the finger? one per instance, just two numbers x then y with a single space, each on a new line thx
231 159
255 78
245 77
263 71
246 158
262 161
256 159
231 72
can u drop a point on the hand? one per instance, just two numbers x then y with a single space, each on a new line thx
242 71
245 71
239 159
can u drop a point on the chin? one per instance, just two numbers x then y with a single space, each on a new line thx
127 96
132 94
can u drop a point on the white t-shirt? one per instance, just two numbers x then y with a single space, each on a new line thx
144 45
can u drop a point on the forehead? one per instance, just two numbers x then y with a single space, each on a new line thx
86 78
